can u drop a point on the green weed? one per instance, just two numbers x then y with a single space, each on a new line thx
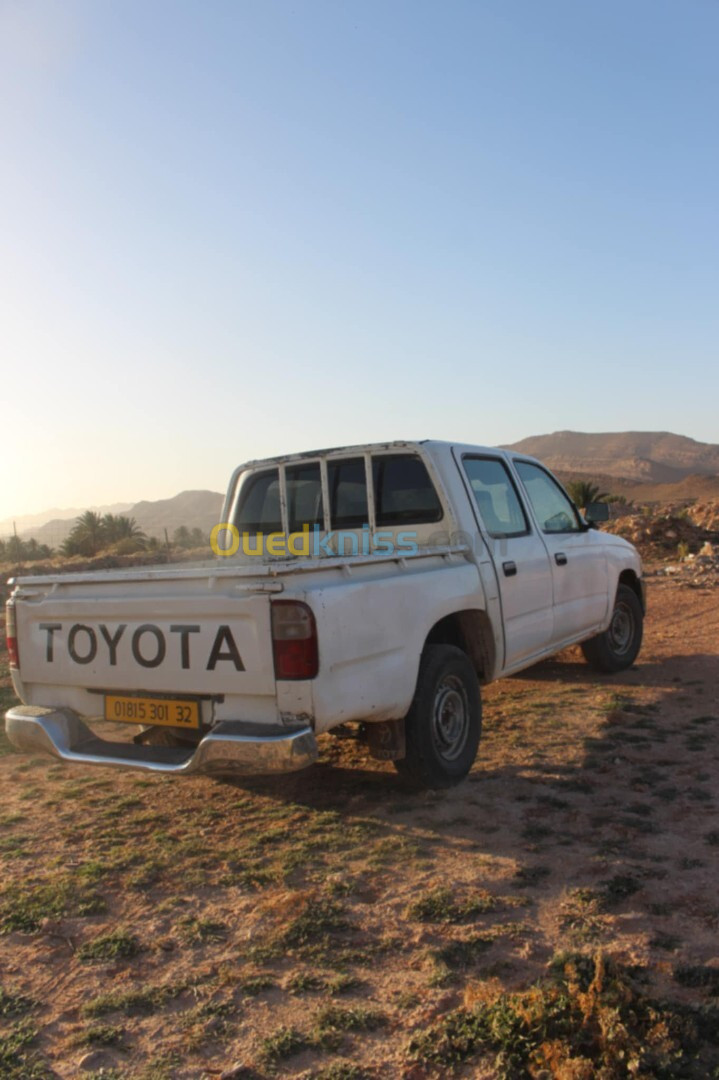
195 931
439 905
14 1004
141 1000
463 954
281 1044
591 1019
116 945
101 1035
17 1061
332 1021
24 906
253 985
319 918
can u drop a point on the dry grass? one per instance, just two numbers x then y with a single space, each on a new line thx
558 908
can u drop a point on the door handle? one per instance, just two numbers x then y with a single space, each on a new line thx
510 569
560 558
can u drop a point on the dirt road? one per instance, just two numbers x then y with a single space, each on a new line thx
334 924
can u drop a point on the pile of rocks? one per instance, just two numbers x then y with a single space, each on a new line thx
700 570
658 533
705 515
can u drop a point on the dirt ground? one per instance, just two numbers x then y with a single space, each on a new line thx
335 924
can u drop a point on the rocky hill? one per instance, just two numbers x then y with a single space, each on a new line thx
196 509
656 457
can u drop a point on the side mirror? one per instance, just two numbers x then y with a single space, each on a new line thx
596 512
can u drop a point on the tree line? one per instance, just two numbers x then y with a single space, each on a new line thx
13 549
93 533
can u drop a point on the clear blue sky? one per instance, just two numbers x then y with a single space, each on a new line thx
231 229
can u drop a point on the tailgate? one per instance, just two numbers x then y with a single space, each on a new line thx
198 640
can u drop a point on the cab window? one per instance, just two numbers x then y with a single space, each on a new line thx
554 510
497 499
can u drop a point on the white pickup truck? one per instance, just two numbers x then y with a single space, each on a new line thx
374 585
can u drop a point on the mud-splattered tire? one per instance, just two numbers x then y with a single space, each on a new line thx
618 646
444 722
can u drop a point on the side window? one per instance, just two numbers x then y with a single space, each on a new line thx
555 513
259 509
348 493
304 496
403 491
497 498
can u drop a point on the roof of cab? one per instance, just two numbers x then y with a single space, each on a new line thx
362 448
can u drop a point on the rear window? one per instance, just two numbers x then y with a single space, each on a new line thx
260 502
304 496
259 509
347 493
403 494
403 491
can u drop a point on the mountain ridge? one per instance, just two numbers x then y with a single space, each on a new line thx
193 508
25 522
657 457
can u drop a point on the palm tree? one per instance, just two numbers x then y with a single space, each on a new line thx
87 536
14 548
181 536
582 493
118 527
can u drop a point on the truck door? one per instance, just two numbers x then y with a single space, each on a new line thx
577 556
520 558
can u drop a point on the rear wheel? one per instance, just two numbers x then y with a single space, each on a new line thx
443 725
618 646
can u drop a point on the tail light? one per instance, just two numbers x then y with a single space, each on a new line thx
11 634
294 640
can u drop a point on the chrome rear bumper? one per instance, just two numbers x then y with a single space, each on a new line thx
231 747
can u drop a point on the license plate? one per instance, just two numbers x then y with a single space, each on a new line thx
166 712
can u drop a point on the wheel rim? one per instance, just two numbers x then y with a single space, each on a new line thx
450 718
621 629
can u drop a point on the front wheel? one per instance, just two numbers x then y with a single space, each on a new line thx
443 725
618 646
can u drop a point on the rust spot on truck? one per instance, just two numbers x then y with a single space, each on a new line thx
301 719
